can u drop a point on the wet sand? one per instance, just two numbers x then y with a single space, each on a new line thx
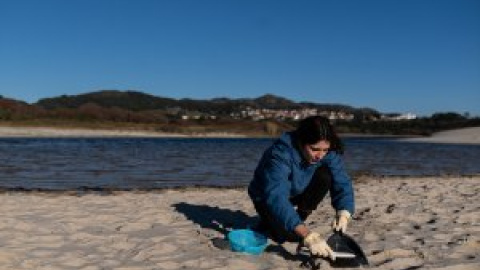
401 223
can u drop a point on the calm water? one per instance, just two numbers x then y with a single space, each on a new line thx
135 163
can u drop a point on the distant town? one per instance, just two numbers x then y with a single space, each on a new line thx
295 115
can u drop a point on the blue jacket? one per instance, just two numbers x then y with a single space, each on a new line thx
282 174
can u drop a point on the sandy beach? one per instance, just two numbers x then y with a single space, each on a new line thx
463 136
401 223
51 132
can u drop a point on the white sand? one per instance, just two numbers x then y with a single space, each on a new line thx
7 131
401 223
464 136
74 132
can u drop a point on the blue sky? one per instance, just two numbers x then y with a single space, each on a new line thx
420 56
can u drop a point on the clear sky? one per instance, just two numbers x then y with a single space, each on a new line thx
419 56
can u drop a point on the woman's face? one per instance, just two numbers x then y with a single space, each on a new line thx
313 153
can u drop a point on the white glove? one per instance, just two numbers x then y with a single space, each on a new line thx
341 221
318 246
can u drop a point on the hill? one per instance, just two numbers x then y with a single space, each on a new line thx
138 101
265 115
129 100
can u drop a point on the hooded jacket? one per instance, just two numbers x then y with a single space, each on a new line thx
282 173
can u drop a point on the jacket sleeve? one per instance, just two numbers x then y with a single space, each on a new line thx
341 193
275 174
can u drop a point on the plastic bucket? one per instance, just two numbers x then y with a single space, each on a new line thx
247 241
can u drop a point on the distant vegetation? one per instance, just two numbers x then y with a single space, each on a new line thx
420 126
140 111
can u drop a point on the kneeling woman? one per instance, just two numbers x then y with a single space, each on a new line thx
294 175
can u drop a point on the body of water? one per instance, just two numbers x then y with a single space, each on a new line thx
147 163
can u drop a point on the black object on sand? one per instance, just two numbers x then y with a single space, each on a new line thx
350 254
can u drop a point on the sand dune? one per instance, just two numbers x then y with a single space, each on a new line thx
401 223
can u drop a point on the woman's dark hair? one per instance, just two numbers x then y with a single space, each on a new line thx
316 128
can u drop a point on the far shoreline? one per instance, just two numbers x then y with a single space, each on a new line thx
470 135
458 136
62 132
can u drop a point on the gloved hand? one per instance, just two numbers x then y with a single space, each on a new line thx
341 221
318 246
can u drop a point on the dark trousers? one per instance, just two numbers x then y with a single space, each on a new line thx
305 202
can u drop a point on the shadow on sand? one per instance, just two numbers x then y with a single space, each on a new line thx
204 215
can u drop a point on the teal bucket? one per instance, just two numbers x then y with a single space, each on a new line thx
247 241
